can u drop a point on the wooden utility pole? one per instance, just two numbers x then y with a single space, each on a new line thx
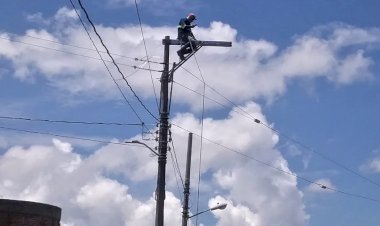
164 118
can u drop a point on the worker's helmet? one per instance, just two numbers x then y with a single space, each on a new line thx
192 16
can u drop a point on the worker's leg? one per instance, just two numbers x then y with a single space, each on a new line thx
181 52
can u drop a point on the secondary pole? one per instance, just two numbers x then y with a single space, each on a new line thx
186 190
163 136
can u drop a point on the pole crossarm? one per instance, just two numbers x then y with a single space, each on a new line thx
198 42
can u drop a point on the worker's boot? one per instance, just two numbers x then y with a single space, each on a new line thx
180 54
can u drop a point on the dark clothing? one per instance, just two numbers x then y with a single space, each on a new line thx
186 36
184 30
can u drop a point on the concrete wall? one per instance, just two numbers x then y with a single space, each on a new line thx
22 213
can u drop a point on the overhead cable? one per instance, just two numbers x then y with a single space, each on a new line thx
86 48
269 165
66 136
109 71
322 186
72 122
146 52
113 60
202 123
77 54
246 114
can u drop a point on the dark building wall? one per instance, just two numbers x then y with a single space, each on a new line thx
22 213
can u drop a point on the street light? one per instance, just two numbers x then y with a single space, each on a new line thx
217 207
138 142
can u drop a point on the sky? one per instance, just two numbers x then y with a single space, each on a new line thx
307 70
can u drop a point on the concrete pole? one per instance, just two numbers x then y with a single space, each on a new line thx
163 136
186 191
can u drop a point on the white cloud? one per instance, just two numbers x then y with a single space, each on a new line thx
374 165
85 193
234 214
261 192
38 18
56 174
250 69
62 146
96 189
371 166
353 68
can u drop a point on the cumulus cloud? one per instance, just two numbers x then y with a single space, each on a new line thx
84 192
58 175
234 214
258 67
232 154
262 193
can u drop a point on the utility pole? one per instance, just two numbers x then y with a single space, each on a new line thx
164 118
163 136
186 189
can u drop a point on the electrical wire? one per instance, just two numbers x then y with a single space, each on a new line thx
322 186
77 54
246 114
269 165
201 144
146 52
109 71
113 60
72 122
66 136
318 153
86 48
176 160
176 178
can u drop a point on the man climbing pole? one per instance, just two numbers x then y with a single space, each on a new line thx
186 36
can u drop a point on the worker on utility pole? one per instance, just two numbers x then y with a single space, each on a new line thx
186 36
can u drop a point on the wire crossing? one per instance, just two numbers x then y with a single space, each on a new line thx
146 52
82 55
246 114
113 60
108 70
269 165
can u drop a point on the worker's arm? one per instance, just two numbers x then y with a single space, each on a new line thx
183 24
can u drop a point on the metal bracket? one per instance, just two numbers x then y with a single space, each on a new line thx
179 64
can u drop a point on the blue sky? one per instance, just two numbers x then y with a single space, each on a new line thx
307 69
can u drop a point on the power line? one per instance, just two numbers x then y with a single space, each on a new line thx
146 52
176 159
65 136
86 48
269 165
76 54
72 122
258 121
201 145
322 186
109 72
113 60
175 170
